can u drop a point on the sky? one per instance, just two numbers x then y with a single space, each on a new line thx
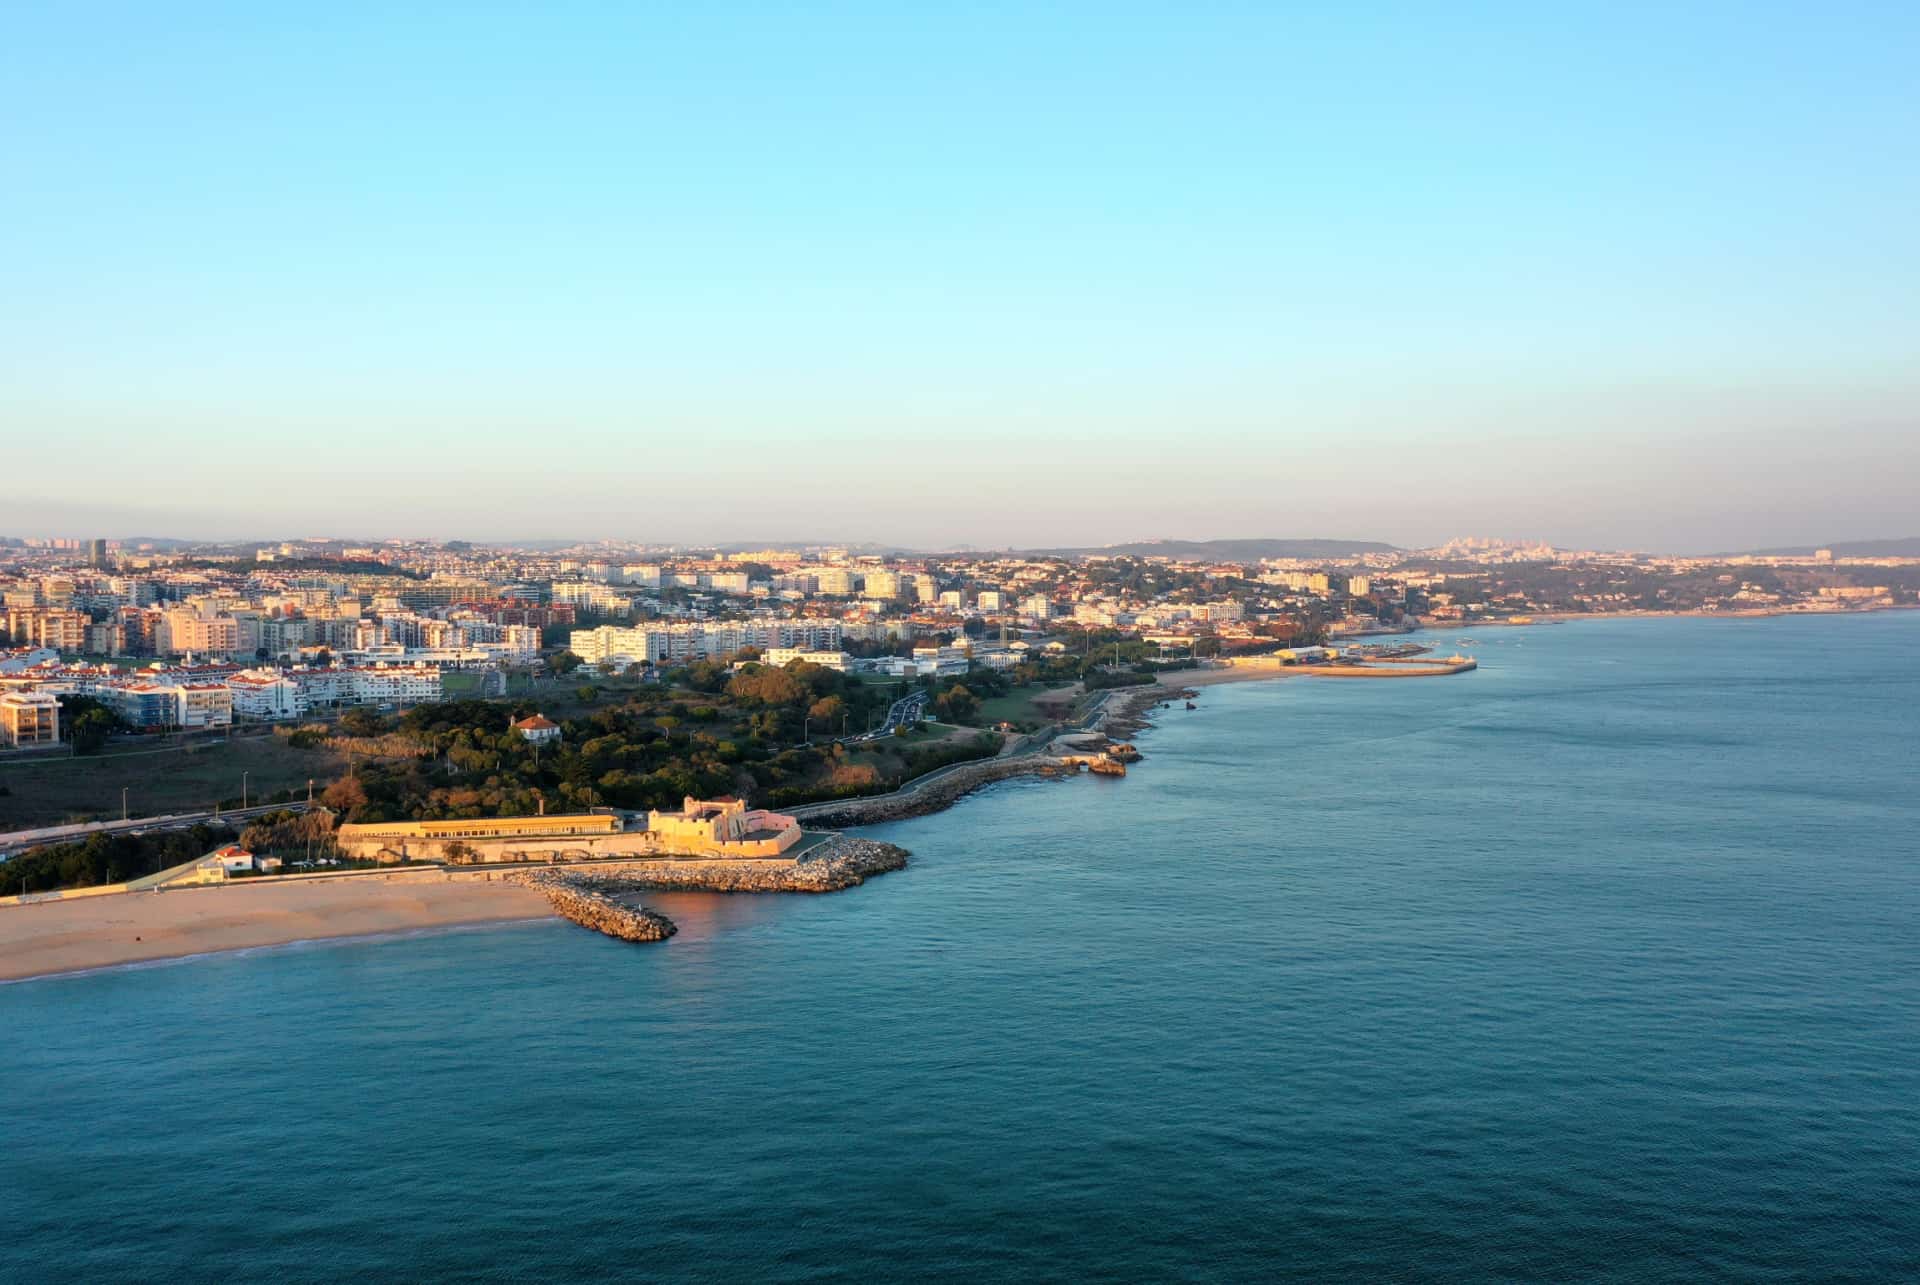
1615 275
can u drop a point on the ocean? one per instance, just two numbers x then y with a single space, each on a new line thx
1600 962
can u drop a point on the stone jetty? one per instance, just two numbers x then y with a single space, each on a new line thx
592 896
591 908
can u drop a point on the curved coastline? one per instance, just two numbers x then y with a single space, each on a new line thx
148 928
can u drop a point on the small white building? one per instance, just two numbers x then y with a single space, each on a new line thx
537 729
223 863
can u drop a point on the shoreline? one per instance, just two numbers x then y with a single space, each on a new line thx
92 934
85 935
134 929
186 957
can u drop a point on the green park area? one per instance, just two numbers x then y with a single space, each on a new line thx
1031 705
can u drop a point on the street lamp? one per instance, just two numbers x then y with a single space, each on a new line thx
243 789
123 803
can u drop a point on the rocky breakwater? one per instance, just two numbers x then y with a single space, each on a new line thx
839 863
591 908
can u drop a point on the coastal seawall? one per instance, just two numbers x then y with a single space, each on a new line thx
843 863
929 794
1121 712
1393 669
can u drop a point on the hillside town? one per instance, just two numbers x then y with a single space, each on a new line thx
172 637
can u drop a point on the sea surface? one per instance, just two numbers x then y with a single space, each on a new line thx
1601 962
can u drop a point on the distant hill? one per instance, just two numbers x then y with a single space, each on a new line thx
1228 550
159 543
1907 548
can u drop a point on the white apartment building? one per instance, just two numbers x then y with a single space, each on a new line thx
733 582
266 695
1300 581
272 694
148 704
592 597
613 644
23 658
782 656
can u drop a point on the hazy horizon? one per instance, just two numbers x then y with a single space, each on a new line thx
1627 277
789 540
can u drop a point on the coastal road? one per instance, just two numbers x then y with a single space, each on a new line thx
910 708
19 841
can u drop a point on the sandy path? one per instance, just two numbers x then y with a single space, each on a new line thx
62 936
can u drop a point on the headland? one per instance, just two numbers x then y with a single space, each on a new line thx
51 935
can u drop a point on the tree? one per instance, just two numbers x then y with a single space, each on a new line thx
565 663
759 684
87 723
345 795
957 703
705 676
362 722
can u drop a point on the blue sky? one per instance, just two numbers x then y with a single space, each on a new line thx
1641 276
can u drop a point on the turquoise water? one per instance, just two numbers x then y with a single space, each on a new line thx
1603 961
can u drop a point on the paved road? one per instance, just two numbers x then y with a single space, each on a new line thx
910 708
20 840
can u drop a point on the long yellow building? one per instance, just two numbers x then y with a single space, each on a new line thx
716 828
455 840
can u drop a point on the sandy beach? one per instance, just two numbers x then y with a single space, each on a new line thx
62 937
1176 679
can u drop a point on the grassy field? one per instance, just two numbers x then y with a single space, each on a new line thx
1018 706
58 790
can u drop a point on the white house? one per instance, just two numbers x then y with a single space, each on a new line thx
537 728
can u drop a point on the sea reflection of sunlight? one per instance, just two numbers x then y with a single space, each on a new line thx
707 914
